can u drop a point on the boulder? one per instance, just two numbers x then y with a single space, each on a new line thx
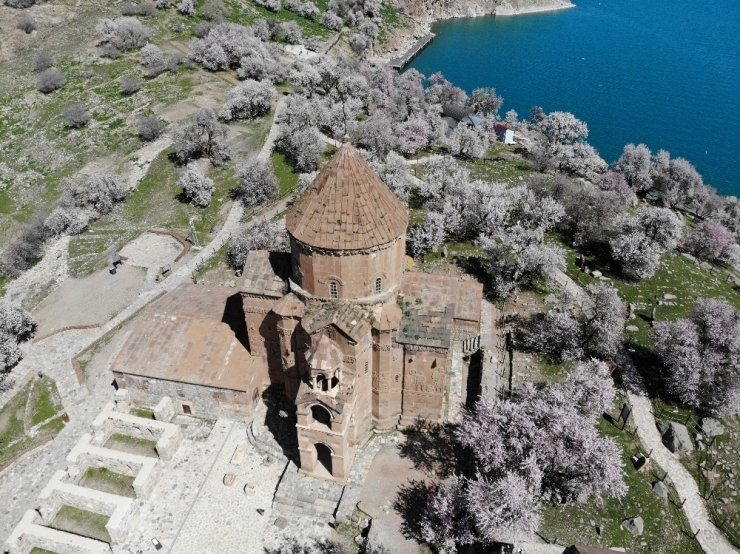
281 523
711 427
634 525
676 437
229 479
597 274
667 296
632 328
368 509
660 489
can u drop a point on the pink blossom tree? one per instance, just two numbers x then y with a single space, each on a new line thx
542 444
701 354
712 241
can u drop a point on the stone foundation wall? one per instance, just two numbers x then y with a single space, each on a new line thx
110 421
204 402
59 492
146 471
29 534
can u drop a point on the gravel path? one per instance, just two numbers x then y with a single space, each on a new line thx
711 539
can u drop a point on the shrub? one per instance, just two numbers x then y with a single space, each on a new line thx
26 24
216 11
269 5
151 127
163 4
20 4
41 62
24 250
130 85
110 51
201 137
50 80
152 59
129 9
146 9
76 116
331 21
186 7
202 29
174 61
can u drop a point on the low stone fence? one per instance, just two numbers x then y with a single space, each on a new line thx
122 511
146 471
167 435
30 534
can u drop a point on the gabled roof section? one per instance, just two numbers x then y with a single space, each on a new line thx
345 317
266 273
289 306
347 207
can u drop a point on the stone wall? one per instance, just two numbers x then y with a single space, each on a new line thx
123 511
110 421
354 272
29 534
146 471
204 402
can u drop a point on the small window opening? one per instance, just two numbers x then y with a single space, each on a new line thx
397 378
186 409
378 285
333 290
322 383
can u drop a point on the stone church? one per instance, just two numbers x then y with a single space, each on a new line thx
353 339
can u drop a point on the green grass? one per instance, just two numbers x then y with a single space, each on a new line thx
105 480
217 263
287 176
509 169
142 412
664 522
245 14
132 445
37 550
41 395
82 522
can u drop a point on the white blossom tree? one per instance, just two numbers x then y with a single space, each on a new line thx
257 182
16 326
197 187
468 142
428 236
264 235
635 164
248 100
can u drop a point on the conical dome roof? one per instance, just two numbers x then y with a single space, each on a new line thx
347 207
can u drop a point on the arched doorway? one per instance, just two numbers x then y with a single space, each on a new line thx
323 457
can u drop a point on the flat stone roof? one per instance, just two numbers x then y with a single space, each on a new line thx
265 273
195 334
432 303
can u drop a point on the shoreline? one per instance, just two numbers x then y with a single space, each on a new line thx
424 26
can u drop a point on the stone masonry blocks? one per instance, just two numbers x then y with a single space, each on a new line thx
29 534
108 422
121 510
165 410
145 470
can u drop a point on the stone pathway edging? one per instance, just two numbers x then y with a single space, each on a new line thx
710 538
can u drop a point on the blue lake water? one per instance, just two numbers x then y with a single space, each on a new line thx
663 73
